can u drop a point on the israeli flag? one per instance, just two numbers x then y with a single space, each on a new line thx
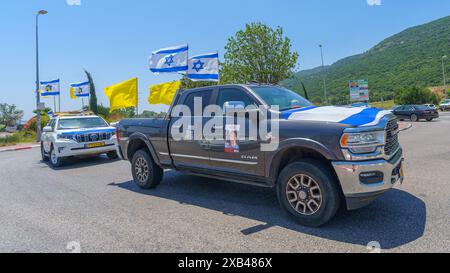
50 88
204 67
81 89
170 60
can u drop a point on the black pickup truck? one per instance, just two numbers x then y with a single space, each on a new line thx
324 157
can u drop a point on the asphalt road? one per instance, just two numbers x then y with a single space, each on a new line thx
92 206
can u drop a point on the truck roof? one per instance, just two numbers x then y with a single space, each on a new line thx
228 85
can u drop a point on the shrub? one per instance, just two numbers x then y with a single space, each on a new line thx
31 124
416 95
18 137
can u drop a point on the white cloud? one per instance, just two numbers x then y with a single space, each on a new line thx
74 2
374 2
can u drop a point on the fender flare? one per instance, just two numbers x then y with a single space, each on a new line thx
275 159
142 137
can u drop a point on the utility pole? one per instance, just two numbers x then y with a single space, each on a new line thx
38 96
443 74
325 95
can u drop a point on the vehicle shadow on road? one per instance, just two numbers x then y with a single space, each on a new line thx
395 219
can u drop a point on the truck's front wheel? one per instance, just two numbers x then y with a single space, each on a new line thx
146 173
307 190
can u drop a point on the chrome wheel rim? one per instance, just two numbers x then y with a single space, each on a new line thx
53 157
142 170
304 194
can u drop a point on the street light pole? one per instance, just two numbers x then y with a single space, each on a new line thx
38 96
323 75
443 73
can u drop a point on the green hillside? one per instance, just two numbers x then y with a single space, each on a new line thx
412 57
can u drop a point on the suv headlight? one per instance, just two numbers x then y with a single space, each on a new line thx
364 142
65 137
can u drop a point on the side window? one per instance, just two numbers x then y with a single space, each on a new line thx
53 124
234 94
206 98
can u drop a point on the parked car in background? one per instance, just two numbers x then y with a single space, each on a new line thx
416 112
79 134
432 106
445 105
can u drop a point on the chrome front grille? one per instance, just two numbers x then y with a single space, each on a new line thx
392 143
94 137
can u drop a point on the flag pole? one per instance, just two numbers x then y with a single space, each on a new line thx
137 97
54 104
59 96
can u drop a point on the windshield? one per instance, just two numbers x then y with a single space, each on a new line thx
284 98
81 123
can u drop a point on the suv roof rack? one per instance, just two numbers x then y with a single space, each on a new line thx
73 113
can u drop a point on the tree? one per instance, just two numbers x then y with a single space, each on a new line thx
9 114
188 84
93 94
258 53
416 95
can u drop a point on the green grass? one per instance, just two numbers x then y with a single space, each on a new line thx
385 105
17 138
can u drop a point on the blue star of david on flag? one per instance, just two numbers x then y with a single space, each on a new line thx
204 67
170 60
199 65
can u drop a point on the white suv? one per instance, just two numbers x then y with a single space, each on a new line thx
445 105
77 135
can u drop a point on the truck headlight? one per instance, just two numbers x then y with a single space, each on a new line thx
364 142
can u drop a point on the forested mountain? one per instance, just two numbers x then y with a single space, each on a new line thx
411 57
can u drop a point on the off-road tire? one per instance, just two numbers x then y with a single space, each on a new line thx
146 174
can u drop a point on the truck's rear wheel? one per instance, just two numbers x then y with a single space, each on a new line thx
146 173
307 190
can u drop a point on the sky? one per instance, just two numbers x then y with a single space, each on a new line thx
113 39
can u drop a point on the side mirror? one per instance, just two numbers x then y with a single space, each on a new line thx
48 129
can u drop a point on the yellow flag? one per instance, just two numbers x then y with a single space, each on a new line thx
123 95
163 93
72 93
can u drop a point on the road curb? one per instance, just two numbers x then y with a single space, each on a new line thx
21 148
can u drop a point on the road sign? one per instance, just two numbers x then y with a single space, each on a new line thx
41 106
359 90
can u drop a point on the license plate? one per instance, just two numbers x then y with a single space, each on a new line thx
95 145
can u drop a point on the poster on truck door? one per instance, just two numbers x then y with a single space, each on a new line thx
359 90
